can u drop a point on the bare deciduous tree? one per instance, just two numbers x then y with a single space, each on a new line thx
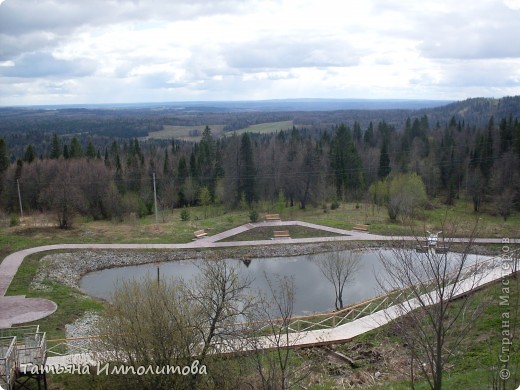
175 323
430 324
338 268
272 351
63 196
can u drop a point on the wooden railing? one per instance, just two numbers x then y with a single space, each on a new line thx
310 322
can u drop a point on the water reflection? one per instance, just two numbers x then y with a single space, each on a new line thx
313 293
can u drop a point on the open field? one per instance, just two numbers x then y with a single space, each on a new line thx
187 133
194 133
267 127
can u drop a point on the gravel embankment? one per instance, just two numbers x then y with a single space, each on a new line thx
68 268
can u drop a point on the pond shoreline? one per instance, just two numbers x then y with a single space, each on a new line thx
68 268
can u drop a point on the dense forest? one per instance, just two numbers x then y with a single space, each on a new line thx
399 164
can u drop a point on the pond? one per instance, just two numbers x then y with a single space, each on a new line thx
313 292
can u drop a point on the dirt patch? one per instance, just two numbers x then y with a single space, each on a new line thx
356 364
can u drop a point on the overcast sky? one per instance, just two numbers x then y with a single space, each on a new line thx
108 51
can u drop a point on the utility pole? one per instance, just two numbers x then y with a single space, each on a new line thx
155 199
19 197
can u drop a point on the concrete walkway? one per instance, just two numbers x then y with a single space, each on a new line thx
36 308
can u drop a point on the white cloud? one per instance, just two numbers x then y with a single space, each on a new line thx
120 50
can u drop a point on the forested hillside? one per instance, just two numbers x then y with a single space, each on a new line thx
21 126
103 177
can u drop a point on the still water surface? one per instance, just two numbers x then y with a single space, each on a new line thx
313 292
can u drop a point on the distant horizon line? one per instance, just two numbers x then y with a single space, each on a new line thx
437 102
288 100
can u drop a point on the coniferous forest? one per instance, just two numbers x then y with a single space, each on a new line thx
100 164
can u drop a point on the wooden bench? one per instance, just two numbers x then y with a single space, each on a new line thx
200 233
363 228
272 217
281 234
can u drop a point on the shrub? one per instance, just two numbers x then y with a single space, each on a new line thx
334 205
253 215
14 220
185 214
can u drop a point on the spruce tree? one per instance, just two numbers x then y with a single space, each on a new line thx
91 150
4 156
75 149
384 160
56 147
247 171
30 155
166 164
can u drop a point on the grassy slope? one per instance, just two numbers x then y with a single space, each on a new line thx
472 367
172 230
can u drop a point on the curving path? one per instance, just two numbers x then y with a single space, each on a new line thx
19 309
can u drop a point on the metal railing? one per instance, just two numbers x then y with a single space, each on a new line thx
8 358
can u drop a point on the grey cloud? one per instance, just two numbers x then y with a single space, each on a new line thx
30 25
39 64
25 16
468 43
11 46
480 73
159 81
465 29
487 31
284 53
